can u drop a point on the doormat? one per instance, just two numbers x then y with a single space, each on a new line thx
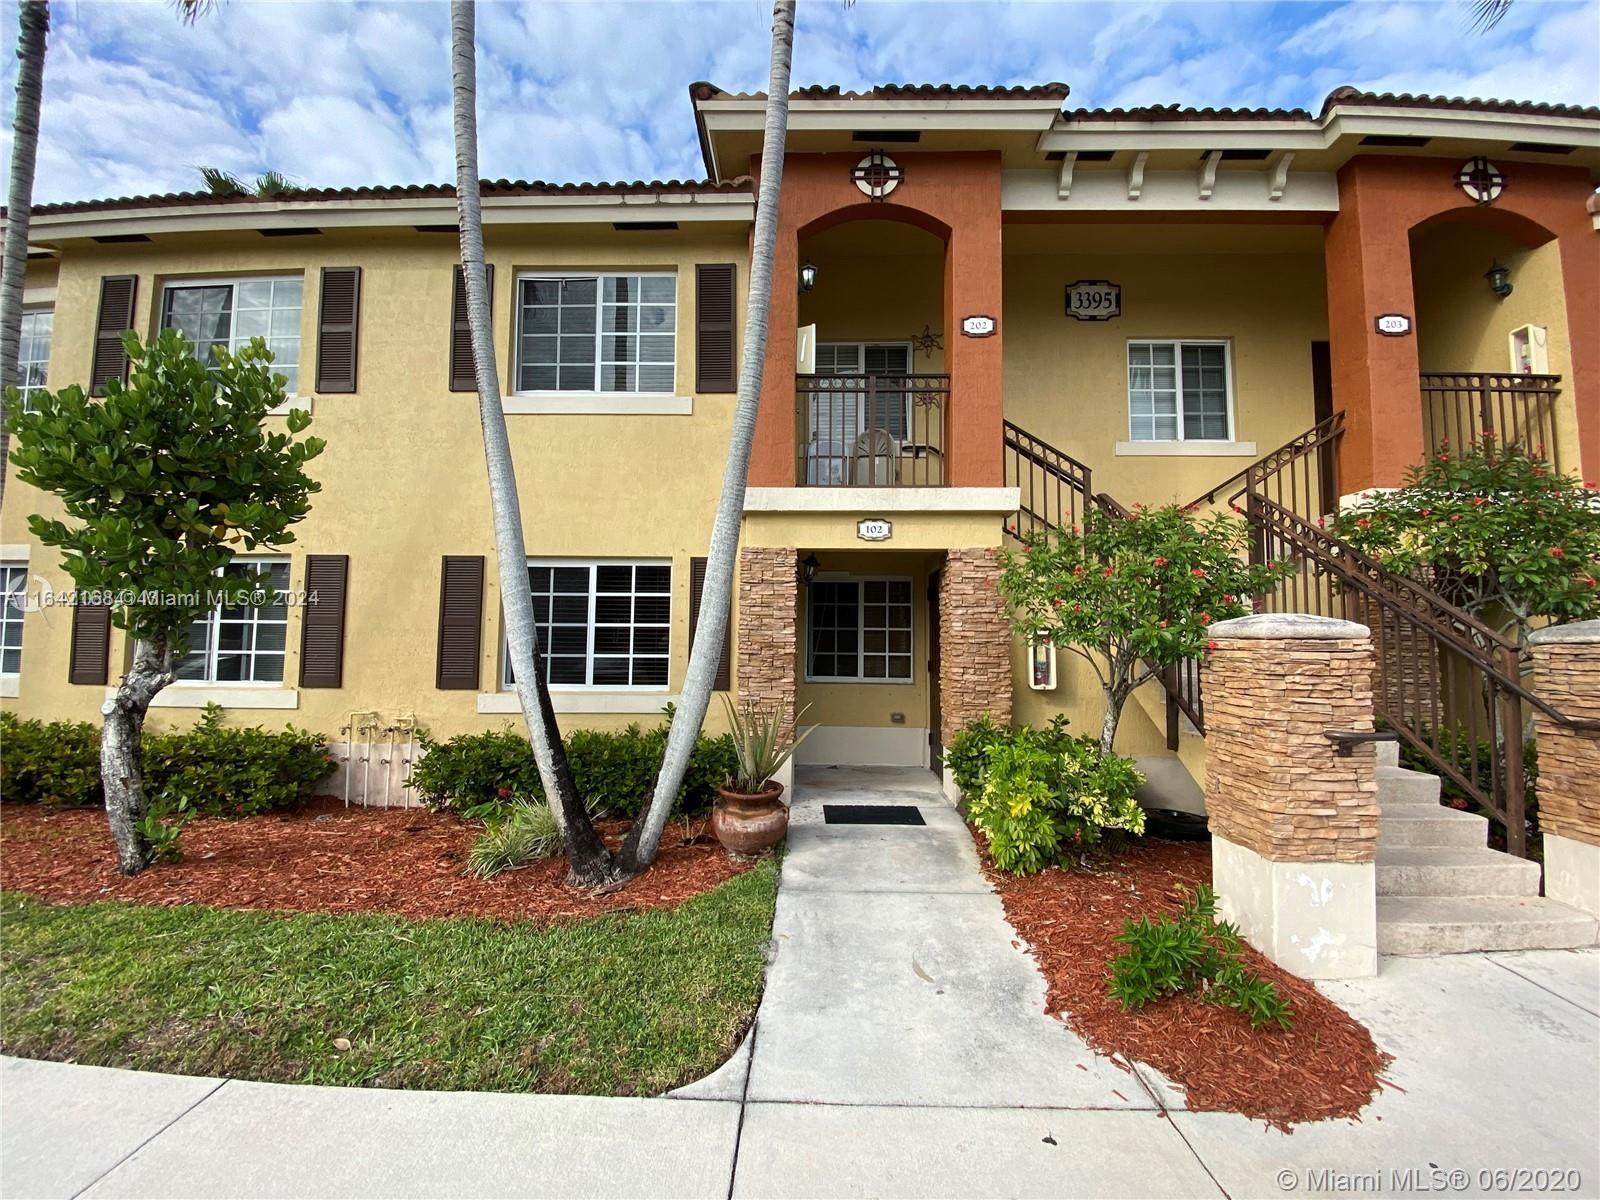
871 814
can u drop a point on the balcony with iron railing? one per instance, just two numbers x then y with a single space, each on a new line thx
1459 407
871 430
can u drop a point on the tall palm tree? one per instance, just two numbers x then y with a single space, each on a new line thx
644 839
33 19
588 860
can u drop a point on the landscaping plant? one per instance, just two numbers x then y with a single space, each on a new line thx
1498 532
211 770
525 833
1132 594
763 740
1043 795
1193 952
968 752
163 482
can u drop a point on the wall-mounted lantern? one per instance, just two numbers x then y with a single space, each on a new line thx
808 276
1499 278
1042 664
808 568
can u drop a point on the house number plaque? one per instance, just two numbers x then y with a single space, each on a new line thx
874 529
1094 300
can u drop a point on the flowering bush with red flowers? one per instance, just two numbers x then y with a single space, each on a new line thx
1133 594
1498 532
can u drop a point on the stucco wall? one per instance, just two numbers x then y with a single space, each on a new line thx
403 481
1066 380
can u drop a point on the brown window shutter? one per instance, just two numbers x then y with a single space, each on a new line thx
697 584
110 360
463 378
460 621
90 660
714 368
338 329
322 621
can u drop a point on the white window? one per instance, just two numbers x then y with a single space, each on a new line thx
13 584
1179 391
602 624
230 312
33 356
858 629
242 643
844 410
597 333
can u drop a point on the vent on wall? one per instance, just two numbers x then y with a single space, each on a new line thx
1394 139
1083 155
116 239
643 226
902 136
1241 155
1541 148
294 232
437 228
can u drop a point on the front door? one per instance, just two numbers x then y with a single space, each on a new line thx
935 746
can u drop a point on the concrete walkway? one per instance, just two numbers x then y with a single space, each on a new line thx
900 1050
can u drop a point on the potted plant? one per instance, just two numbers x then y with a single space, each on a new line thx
751 815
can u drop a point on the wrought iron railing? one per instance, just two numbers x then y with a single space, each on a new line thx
1447 684
871 430
1459 408
1055 487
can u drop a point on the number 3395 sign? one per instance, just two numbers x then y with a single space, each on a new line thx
1094 300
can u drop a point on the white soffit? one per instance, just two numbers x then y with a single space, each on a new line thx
1099 190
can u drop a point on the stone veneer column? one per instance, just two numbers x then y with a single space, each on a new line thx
768 589
1566 674
1294 824
974 645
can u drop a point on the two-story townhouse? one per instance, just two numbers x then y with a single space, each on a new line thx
985 298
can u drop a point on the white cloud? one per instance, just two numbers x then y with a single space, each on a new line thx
341 93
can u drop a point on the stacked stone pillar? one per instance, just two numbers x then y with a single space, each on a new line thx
768 614
974 645
1566 675
1294 823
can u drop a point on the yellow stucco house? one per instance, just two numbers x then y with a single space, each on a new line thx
984 296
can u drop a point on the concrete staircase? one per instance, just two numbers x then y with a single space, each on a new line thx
1441 890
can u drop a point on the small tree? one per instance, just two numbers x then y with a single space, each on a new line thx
1499 533
163 482
1132 595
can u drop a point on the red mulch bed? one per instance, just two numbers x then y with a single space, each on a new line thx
1326 1066
403 861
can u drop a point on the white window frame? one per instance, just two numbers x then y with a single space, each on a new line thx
593 564
6 567
594 393
298 395
861 641
213 620
35 310
1177 345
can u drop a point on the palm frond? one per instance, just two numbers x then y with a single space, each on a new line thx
220 183
190 11
1486 14
275 183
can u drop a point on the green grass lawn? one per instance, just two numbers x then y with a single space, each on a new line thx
617 1005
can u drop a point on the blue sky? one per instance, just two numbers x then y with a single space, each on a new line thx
350 93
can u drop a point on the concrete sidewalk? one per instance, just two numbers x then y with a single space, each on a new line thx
900 1050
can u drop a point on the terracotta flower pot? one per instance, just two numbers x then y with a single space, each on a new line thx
746 824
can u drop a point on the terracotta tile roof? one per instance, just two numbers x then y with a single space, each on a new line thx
1347 97
422 191
1174 112
897 91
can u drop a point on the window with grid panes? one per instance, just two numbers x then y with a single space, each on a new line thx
597 333
229 313
859 629
1178 391
33 354
242 643
602 624
13 584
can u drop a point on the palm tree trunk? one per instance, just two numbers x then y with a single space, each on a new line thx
644 839
588 861
33 19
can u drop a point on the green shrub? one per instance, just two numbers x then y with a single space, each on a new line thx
526 832
162 827
478 774
1042 793
968 751
56 762
1193 952
207 770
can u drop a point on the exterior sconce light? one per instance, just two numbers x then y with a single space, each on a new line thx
1499 280
1042 663
808 276
808 568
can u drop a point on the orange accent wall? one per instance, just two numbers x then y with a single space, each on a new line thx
956 196
1368 248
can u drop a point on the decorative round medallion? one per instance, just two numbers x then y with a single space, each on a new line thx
877 175
1481 180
